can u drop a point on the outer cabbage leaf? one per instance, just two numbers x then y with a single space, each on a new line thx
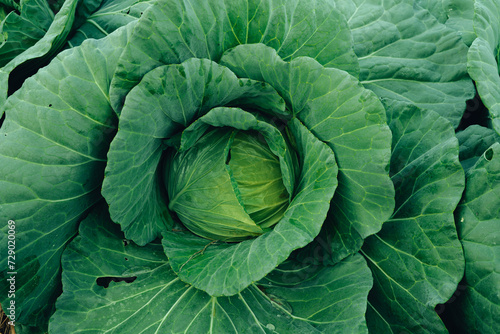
17 34
155 300
11 4
485 24
416 259
223 269
477 307
175 30
483 69
405 54
52 158
460 18
456 14
351 120
349 311
436 8
482 59
109 16
38 12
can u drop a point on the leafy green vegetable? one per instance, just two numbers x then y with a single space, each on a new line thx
406 55
456 14
178 30
25 64
228 186
19 32
429 182
478 222
155 299
271 166
105 18
259 181
29 40
335 108
225 269
137 149
65 181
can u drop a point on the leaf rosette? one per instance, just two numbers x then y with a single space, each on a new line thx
174 161
198 140
178 139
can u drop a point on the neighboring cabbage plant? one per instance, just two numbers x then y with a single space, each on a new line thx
32 32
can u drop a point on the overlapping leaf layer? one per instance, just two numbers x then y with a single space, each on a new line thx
241 166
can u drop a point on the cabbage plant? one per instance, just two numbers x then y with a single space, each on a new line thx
275 166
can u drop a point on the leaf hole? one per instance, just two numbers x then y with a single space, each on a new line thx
104 281
126 242
488 155
50 105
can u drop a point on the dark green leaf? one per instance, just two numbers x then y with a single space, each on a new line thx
97 20
173 31
155 300
52 160
29 61
456 14
483 69
416 258
474 141
309 290
405 54
11 4
21 31
477 309
482 59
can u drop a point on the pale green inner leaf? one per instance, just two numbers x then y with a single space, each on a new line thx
258 175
